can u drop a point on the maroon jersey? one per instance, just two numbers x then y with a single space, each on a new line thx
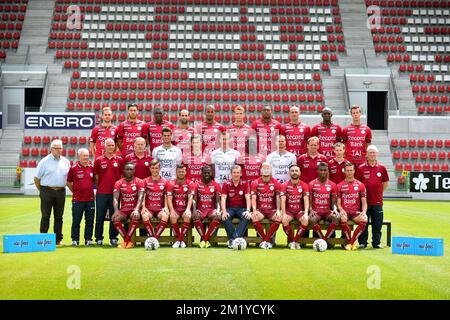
239 137
251 167
295 196
321 195
297 136
373 178
141 165
180 194
206 195
308 166
328 136
356 139
129 192
182 139
83 182
350 194
108 171
153 132
235 194
155 191
266 133
194 166
210 135
98 136
266 200
336 170
128 131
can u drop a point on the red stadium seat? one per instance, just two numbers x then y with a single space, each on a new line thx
405 155
430 143
82 140
426 167
23 163
32 164
412 143
403 143
25 152
44 152
444 167
399 167
394 143
436 167
408 167
414 155
421 143
417 167
439 143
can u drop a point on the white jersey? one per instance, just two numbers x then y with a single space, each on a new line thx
168 160
223 162
280 165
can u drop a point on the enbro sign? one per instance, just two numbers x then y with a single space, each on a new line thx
59 121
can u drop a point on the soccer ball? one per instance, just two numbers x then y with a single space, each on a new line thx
151 244
320 245
239 244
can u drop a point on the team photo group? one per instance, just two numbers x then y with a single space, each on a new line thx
137 173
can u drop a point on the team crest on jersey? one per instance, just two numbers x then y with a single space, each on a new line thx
215 130
245 132
271 188
112 131
133 188
378 174
139 128
161 187
146 163
355 188
363 131
91 174
115 164
301 130
333 131
185 189
211 189
241 193
300 189
328 189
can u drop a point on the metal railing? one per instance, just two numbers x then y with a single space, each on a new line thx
346 93
393 98
10 177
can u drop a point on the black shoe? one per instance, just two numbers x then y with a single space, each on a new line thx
378 246
330 245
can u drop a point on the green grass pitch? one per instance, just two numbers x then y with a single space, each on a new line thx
220 273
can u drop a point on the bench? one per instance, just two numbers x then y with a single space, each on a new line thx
171 238
216 239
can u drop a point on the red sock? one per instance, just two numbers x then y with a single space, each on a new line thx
160 228
330 230
273 228
176 230
148 226
211 229
131 230
258 227
184 229
358 231
346 231
317 229
289 232
300 232
200 228
120 229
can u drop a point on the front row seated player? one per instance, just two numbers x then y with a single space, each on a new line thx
207 206
180 195
129 191
352 205
155 204
294 205
265 195
323 193
235 203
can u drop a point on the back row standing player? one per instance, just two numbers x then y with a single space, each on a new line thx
357 137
